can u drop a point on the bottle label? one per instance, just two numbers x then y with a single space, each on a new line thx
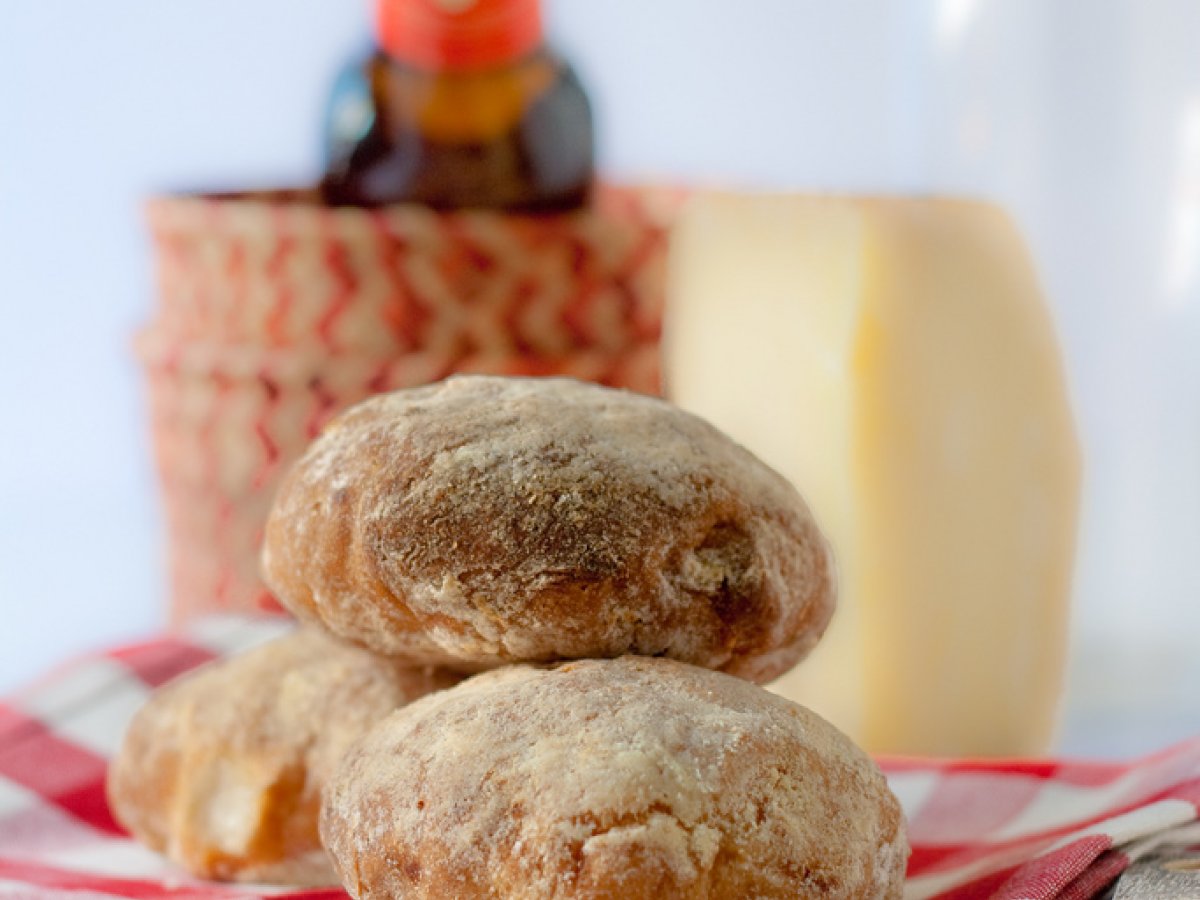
458 34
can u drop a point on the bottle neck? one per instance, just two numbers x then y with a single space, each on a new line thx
458 35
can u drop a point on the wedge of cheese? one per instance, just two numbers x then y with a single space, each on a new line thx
894 358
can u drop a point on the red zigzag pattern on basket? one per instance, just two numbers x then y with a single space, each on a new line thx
397 280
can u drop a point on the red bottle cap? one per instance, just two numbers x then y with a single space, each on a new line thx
458 34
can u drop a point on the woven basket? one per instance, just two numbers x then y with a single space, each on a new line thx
275 312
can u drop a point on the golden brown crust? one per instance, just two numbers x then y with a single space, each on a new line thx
629 778
222 769
485 520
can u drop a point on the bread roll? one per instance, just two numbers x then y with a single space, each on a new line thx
627 779
222 769
487 520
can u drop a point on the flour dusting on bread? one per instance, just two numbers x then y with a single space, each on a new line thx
485 520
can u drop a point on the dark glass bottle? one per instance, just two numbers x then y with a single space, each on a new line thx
462 106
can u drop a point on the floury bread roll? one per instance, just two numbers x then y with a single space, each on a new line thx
485 520
222 769
611 780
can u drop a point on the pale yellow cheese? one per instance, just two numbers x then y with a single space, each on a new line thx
894 358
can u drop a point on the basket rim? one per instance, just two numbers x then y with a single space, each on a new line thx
298 210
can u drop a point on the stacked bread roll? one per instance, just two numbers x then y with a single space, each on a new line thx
621 573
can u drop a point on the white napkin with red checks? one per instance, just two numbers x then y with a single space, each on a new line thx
1018 830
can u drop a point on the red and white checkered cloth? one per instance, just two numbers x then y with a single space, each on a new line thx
1032 829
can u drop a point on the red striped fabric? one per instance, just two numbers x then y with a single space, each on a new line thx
157 662
57 770
1008 829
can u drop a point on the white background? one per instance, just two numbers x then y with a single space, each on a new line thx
1081 116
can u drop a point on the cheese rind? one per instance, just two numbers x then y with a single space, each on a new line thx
894 358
